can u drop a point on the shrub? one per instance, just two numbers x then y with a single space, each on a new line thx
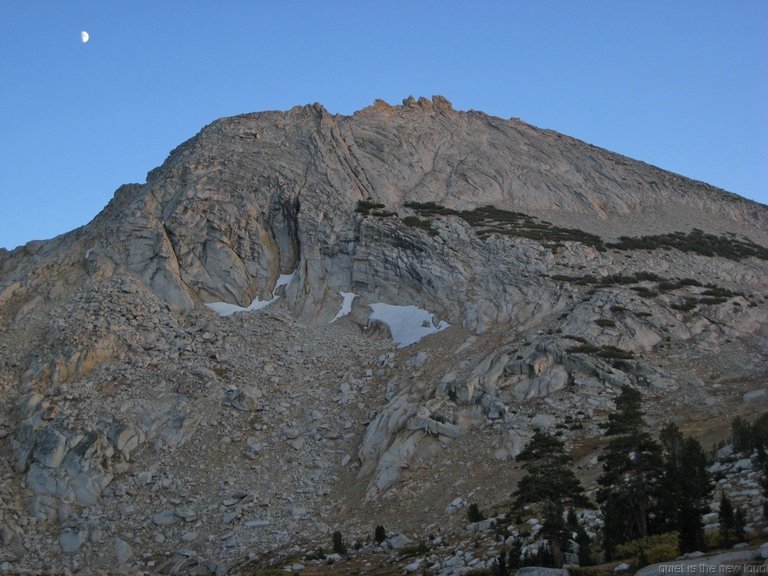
587 571
605 323
416 222
650 550
365 207
695 241
687 305
414 549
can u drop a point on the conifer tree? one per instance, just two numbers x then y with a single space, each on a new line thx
551 484
686 489
632 473
515 556
727 522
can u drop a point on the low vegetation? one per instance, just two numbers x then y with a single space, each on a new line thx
650 550
610 352
696 241
370 208
416 222
489 220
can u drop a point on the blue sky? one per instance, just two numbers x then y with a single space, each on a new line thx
682 85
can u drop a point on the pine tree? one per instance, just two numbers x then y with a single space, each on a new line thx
474 514
585 547
686 489
632 473
695 493
551 484
727 522
379 534
672 441
500 568
338 543
740 523
743 436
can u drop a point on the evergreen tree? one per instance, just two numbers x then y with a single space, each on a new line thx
686 489
727 522
474 514
500 568
338 543
672 441
379 534
740 524
515 556
551 484
632 473
585 547
760 433
764 484
695 493
743 437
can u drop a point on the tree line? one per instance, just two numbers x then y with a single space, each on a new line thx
648 486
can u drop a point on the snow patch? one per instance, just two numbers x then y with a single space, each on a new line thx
408 324
227 309
346 305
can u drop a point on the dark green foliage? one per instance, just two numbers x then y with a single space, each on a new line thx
632 473
584 349
732 523
645 292
602 351
542 558
365 207
691 530
712 301
686 489
760 434
571 520
415 222
627 419
585 547
338 543
605 323
743 435
608 281
688 303
727 521
515 556
500 565
489 220
718 292
430 209
550 484
740 522
474 514
695 241
379 534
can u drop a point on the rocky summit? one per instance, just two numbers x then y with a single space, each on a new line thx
306 323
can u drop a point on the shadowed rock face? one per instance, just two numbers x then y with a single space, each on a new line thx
120 382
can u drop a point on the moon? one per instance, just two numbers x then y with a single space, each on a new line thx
84 36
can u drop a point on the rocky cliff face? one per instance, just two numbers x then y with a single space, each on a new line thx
549 272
